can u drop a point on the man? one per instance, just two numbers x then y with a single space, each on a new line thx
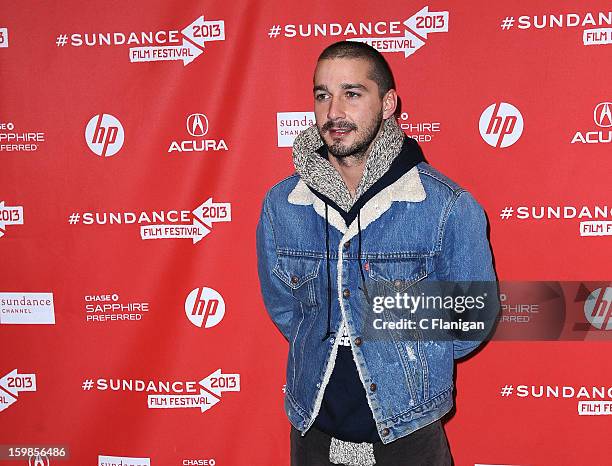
364 217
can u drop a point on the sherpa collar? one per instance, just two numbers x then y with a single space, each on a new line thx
407 189
319 174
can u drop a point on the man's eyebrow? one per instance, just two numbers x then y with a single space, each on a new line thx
345 86
353 86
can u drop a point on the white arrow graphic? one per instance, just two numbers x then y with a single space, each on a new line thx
196 231
218 382
10 215
210 212
204 401
6 400
211 401
186 52
14 382
425 22
201 31
408 44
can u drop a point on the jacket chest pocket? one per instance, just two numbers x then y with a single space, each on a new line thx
300 274
397 275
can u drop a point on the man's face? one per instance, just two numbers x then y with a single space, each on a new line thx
348 107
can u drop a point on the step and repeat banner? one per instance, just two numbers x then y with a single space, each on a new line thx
137 140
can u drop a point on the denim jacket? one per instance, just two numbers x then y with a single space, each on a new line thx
421 227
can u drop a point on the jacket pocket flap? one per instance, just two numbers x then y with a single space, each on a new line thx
398 275
295 271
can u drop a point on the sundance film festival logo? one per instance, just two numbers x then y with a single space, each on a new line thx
197 127
176 394
10 215
204 307
598 308
384 36
501 124
163 224
594 400
151 46
602 116
12 384
104 135
595 220
592 36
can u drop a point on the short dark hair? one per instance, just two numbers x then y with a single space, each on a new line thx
380 72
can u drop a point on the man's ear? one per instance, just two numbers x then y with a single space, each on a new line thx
389 103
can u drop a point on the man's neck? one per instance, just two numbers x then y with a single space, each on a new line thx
350 169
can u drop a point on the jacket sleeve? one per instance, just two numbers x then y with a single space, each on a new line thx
277 298
466 257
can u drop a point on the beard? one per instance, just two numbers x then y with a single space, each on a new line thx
364 137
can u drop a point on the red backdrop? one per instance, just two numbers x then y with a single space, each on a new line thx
124 237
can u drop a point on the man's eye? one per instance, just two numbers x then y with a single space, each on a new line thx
320 96
351 94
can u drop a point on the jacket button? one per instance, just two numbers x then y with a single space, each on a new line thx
294 279
346 293
397 283
385 432
358 341
372 387
347 244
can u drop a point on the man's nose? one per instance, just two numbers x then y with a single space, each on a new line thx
336 109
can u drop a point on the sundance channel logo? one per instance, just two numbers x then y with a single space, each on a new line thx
27 308
290 124
104 460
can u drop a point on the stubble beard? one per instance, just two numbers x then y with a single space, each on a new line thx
360 147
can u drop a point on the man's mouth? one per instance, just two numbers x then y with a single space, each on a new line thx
338 129
339 132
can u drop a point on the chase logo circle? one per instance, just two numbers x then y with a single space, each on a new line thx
204 307
501 124
104 135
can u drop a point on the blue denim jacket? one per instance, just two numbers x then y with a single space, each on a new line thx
421 227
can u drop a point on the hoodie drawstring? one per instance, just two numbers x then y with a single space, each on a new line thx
363 282
329 332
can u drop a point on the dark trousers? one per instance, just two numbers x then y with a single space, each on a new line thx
425 447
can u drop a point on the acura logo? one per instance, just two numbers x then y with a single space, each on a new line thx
197 125
603 114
